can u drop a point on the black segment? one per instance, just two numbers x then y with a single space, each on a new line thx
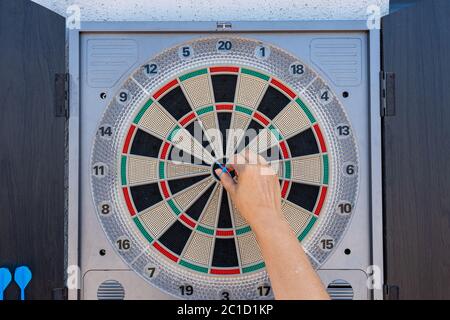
252 131
176 103
145 144
304 195
224 87
224 119
196 209
145 196
273 102
196 131
179 155
225 213
176 237
225 253
181 184
303 144
271 154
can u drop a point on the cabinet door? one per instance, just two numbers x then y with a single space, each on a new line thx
416 47
32 146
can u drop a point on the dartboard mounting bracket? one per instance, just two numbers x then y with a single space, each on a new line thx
137 91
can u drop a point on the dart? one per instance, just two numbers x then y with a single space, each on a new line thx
5 280
22 277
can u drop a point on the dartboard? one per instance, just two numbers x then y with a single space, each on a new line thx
185 113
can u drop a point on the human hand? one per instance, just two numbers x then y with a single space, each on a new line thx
256 192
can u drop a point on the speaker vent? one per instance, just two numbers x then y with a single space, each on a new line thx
340 290
111 290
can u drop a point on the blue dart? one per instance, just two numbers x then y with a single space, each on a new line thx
5 280
22 276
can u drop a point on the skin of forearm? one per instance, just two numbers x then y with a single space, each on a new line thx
291 274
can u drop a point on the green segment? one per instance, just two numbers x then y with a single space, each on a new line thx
255 74
161 170
141 113
307 229
243 230
275 132
193 74
244 110
205 230
287 169
123 170
254 267
205 110
174 207
142 229
193 266
173 133
325 169
306 110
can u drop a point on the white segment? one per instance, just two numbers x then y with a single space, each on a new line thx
185 141
198 91
209 123
296 217
142 170
156 121
249 249
177 170
250 91
291 120
263 141
238 125
307 169
199 249
209 215
188 196
158 218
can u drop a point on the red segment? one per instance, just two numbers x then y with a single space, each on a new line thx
224 107
284 189
187 220
225 271
165 252
130 133
288 91
261 118
284 150
187 119
164 150
126 195
323 193
225 233
161 91
223 69
323 147
164 189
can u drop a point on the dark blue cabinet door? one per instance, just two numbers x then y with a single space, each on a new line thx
32 51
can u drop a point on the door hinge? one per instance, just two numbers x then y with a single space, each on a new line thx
60 294
387 86
224 26
62 95
391 292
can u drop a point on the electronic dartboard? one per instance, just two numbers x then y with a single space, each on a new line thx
183 115
159 113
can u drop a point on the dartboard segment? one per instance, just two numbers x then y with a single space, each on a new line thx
179 125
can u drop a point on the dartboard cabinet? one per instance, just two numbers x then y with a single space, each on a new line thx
157 107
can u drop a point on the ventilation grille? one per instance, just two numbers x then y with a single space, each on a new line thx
110 290
340 290
340 59
108 60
